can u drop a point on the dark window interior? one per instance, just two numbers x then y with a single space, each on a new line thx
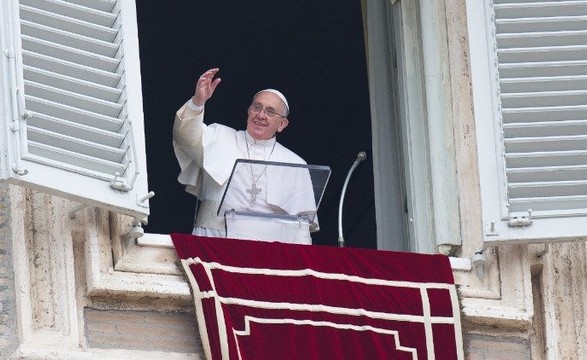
313 51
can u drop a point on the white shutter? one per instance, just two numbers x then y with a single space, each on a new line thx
530 94
75 125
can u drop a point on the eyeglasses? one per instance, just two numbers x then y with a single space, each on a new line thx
269 111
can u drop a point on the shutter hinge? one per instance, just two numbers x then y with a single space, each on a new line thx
121 183
18 169
519 221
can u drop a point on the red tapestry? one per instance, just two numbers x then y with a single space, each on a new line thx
269 300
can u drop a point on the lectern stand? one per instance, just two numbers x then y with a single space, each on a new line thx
267 200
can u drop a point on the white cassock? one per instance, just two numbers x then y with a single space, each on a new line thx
206 155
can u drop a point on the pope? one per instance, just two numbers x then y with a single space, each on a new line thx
207 154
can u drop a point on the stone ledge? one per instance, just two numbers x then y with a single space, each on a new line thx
57 353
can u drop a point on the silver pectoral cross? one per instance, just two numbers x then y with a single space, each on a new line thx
254 191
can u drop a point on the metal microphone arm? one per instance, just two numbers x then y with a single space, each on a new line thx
360 157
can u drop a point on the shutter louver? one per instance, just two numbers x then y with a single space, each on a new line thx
542 62
80 40
77 75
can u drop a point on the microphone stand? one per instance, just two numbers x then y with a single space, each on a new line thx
360 157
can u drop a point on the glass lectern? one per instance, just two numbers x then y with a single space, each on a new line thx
266 200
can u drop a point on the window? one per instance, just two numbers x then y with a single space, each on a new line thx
77 63
71 101
528 64
326 126
304 48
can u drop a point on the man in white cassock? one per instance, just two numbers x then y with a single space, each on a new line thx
207 154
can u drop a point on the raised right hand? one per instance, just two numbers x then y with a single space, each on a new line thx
205 86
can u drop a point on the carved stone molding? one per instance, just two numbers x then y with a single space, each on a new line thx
118 268
44 270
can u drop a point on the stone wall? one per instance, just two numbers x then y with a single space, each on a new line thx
8 326
479 346
142 330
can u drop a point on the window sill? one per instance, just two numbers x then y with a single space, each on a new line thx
164 241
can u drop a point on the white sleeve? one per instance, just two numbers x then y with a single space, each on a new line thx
187 144
187 130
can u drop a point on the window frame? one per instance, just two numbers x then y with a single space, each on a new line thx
403 37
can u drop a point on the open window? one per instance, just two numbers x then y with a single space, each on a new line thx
72 120
381 95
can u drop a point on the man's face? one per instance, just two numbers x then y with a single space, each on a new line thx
261 126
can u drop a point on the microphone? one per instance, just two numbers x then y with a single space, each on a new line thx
361 156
